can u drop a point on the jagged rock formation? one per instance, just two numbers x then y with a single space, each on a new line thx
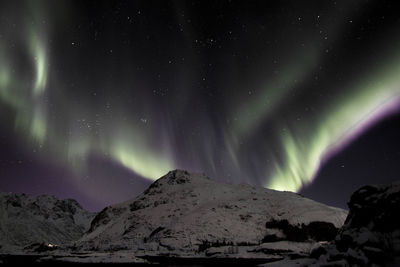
188 214
25 220
370 235
372 229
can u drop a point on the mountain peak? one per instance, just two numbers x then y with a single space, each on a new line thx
182 176
182 211
175 177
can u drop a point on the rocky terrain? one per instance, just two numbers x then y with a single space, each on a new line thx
370 235
190 215
373 224
37 222
186 218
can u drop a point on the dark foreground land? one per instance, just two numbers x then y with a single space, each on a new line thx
38 260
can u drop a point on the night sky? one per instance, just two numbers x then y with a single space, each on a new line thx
100 98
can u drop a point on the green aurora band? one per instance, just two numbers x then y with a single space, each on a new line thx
304 147
29 103
340 122
27 96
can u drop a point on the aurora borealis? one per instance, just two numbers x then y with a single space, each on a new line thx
110 95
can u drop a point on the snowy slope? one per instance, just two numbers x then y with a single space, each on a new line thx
25 220
189 213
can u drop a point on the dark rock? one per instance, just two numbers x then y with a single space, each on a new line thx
372 228
321 231
317 252
318 231
335 255
356 258
370 235
270 238
374 254
375 207
292 232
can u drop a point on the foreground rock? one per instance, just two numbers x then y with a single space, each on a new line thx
370 235
372 229
39 223
189 215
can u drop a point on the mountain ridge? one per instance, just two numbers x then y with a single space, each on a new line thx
184 211
25 220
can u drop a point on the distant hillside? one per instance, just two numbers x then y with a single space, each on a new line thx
25 220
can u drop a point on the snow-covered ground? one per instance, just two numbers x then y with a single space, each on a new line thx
190 219
181 216
187 214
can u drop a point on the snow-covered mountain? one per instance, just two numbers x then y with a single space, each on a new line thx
25 220
189 214
188 218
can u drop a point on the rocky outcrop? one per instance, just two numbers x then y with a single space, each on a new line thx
189 214
372 228
26 220
371 233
